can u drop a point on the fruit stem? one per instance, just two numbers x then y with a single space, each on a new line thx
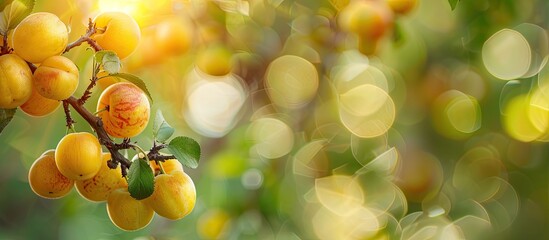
134 146
102 110
162 171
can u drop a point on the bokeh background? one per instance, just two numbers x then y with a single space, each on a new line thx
439 134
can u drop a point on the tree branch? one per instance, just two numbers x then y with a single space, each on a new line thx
157 157
88 92
154 153
68 117
85 38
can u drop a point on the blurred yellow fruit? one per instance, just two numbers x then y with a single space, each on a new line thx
78 156
38 106
15 81
173 36
368 19
215 60
118 32
174 195
39 36
103 183
128 110
213 224
126 212
56 78
45 179
146 53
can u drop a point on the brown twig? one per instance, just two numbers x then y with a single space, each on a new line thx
157 157
157 147
88 92
68 116
5 49
154 153
85 38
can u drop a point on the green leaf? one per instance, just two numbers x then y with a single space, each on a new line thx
453 3
99 55
5 117
135 80
186 150
140 179
14 13
111 62
162 131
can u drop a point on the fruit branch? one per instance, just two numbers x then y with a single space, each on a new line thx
85 38
97 124
88 92
68 116
154 153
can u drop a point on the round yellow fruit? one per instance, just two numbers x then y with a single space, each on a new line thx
126 212
118 32
128 110
39 106
174 195
78 156
99 187
56 78
45 179
15 81
368 19
215 60
39 36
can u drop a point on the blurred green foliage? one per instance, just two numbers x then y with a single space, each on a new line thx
481 184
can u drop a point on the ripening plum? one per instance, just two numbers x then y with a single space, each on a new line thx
45 179
78 156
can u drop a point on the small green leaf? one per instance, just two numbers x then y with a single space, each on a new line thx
453 3
14 13
99 55
140 179
135 80
186 150
5 117
111 62
162 131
